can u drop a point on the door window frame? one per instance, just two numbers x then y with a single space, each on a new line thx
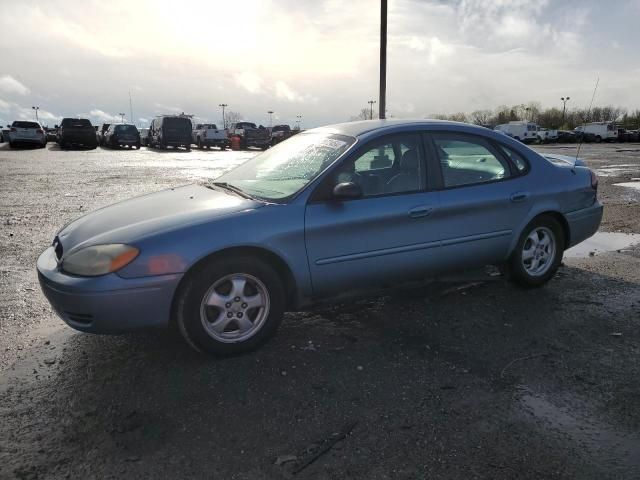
322 192
488 143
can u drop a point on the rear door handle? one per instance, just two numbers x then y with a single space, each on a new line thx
419 212
519 196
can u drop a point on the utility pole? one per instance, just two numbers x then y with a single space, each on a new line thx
382 106
371 102
36 109
224 121
564 107
270 112
131 108
121 117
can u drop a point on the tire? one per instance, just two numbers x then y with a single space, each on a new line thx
213 279
598 139
523 271
12 145
188 147
138 146
199 143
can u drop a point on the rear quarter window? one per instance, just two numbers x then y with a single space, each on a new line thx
518 161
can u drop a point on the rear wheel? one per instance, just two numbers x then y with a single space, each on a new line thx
199 143
538 254
598 139
230 305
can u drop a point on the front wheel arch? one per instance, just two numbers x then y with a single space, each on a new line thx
274 260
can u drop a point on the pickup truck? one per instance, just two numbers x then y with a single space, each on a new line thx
77 131
208 135
280 133
546 136
250 135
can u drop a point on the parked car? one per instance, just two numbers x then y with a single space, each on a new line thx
24 132
352 206
76 131
144 136
101 131
208 135
122 135
601 131
565 136
52 134
4 134
633 135
251 135
547 136
586 137
170 131
280 133
526 132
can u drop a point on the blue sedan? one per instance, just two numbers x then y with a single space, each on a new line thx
346 207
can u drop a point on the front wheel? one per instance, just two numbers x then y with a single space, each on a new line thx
230 305
538 253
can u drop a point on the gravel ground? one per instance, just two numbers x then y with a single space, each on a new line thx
465 378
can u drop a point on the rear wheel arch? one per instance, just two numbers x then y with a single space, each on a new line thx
557 216
281 267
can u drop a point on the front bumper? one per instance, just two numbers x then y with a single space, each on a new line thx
584 223
107 304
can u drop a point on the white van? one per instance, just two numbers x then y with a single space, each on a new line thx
603 131
523 131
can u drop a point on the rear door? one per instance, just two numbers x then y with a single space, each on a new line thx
483 199
383 237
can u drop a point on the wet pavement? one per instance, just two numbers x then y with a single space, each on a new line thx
464 377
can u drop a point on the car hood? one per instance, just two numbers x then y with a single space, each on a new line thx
135 219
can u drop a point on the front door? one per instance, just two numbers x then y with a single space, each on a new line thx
386 236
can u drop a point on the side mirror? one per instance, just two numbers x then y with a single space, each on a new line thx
347 191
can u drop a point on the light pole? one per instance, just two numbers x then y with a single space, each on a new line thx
564 107
299 121
36 109
382 110
121 117
270 112
224 121
371 102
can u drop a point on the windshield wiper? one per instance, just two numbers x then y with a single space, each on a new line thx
231 188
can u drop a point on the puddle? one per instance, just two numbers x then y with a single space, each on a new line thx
572 420
635 185
603 242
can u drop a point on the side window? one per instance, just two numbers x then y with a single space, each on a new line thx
467 160
394 164
518 160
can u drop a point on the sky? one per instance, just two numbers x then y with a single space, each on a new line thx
314 58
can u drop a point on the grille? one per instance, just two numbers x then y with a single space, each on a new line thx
82 318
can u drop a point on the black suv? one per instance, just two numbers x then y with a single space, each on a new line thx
77 131
121 135
170 130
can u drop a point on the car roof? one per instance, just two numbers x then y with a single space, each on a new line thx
360 128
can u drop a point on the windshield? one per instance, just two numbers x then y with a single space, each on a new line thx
177 122
21 124
76 122
288 167
126 129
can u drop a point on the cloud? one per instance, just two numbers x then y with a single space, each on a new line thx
251 82
8 84
4 106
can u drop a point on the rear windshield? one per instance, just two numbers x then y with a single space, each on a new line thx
246 125
20 124
177 122
76 122
281 128
211 126
126 129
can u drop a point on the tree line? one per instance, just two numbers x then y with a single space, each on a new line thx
549 117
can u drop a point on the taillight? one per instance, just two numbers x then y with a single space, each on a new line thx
594 180
40 130
14 129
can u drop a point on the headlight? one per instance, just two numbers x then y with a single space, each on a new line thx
99 260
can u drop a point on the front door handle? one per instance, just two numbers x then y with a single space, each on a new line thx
519 196
419 212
